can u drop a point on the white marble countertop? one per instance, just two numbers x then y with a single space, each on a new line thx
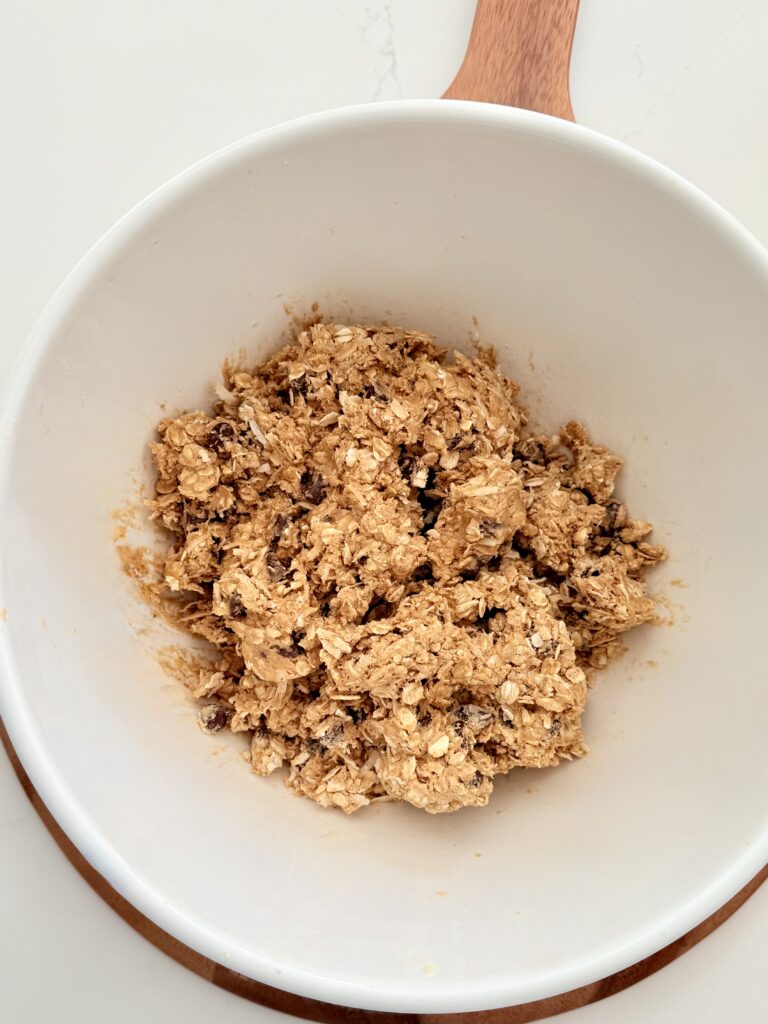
102 101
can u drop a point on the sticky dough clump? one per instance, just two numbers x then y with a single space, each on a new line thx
405 590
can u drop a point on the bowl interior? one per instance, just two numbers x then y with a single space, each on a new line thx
613 295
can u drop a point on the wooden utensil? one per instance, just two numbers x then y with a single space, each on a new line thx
518 54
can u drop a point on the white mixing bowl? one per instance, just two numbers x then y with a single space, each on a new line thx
614 292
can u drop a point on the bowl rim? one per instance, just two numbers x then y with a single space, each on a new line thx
62 802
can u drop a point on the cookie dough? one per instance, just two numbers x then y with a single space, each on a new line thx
406 590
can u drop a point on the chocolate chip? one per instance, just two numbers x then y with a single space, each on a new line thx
330 736
294 650
215 717
532 450
369 391
312 487
325 600
300 386
277 568
216 552
279 526
476 780
237 609
474 718
406 464
220 435
407 460
489 527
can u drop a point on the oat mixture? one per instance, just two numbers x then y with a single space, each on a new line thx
405 590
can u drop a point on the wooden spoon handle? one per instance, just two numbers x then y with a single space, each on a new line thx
518 54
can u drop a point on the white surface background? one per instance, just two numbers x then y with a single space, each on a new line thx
100 102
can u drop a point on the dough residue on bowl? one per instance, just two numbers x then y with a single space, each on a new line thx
405 590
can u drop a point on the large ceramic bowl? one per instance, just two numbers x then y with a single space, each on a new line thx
614 292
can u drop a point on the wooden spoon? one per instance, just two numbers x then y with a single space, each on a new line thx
518 54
